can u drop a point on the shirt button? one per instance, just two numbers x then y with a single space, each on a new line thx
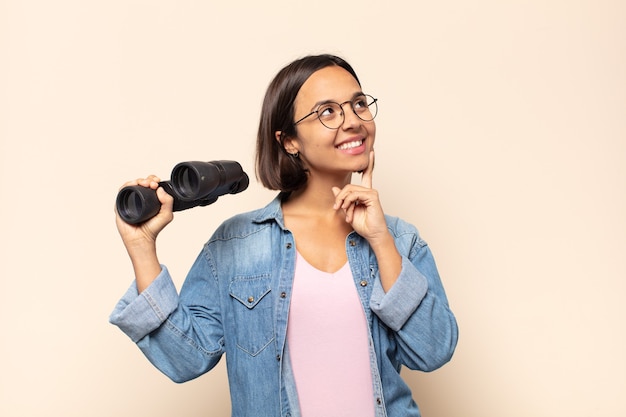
352 243
283 294
288 245
251 299
379 401
363 283
278 358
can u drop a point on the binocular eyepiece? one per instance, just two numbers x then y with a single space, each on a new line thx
191 184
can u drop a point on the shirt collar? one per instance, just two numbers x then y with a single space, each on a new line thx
273 211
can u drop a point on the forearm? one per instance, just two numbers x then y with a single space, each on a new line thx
389 260
145 263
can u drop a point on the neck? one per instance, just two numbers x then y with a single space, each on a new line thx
317 196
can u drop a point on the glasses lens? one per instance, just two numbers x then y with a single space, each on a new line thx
366 107
331 115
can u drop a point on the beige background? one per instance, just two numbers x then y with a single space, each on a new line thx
501 135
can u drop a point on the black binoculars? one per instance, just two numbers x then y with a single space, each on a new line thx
191 184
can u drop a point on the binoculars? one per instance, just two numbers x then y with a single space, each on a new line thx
191 184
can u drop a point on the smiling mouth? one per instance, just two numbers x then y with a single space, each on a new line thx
350 145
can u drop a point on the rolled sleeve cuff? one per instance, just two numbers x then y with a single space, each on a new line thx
395 307
138 315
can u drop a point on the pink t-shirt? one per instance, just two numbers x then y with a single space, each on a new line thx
328 344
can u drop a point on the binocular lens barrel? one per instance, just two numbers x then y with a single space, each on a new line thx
137 204
194 180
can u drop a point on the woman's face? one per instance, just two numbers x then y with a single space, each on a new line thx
343 150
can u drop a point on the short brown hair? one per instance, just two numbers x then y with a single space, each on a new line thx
275 168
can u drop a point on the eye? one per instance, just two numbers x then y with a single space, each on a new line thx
359 103
328 111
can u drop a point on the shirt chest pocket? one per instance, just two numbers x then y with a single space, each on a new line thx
253 313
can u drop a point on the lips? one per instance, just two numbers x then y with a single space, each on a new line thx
350 145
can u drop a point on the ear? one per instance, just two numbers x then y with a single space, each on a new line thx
290 144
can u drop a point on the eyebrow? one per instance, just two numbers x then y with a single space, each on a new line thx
319 103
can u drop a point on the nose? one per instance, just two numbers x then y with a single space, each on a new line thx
350 119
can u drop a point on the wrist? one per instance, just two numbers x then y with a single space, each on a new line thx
140 248
382 241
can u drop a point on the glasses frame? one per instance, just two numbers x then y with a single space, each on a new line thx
343 115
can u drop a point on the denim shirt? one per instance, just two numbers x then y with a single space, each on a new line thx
235 300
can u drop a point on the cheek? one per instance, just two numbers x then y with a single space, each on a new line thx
372 132
318 139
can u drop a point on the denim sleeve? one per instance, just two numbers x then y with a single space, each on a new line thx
416 309
181 334
137 315
394 308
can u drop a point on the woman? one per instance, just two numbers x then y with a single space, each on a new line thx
317 299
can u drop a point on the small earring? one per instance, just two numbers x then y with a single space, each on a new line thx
295 155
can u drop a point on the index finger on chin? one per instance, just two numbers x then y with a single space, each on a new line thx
366 178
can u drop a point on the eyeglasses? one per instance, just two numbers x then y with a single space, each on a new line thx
331 114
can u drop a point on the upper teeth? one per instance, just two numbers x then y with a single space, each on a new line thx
349 145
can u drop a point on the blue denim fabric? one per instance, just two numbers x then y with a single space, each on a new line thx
235 300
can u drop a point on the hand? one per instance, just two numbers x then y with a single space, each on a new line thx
361 205
146 232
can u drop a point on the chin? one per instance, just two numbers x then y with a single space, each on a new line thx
360 170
